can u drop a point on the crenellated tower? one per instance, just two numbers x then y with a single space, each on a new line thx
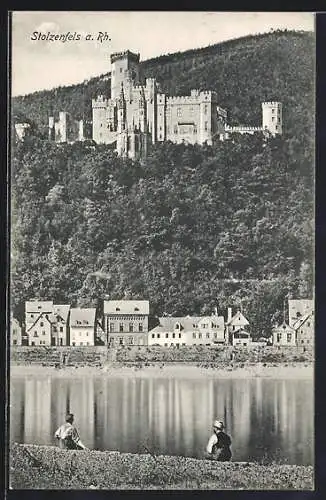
124 69
272 117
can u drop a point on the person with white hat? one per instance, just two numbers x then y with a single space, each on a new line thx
218 447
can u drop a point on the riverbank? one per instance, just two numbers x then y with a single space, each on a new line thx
47 467
170 370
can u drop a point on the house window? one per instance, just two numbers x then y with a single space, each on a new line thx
74 343
165 345
86 334
32 315
15 342
279 336
166 335
140 327
204 325
173 335
205 109
193 335
35 334
199 335
206 126
158 335
43 332
308 324
111 327
175 129
179 335
61 328
54 329
207 335
153 335
195 326
215 335
136 309
80 343
121 327
131 327
179 112
289 337
41 324
117 308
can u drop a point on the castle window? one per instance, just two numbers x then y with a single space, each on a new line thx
279 120
131 327
276 127
166 335
206 126
140 327
273 118
273 111
205 109
121 327
178 111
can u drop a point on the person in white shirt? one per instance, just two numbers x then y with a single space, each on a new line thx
218 447
68 436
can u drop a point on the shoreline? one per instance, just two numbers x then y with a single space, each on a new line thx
169 370
48 467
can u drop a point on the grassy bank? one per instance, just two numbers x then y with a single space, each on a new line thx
45 467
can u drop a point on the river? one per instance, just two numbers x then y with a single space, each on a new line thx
267 419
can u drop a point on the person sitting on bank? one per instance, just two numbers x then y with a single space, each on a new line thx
68 436
218 447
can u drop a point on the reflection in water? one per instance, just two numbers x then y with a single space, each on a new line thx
267 419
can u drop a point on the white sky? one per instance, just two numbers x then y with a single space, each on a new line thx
38 65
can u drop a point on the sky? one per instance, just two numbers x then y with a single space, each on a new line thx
45 64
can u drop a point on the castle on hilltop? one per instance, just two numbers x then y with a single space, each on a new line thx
137 114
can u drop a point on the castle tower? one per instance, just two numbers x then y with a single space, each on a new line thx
124 66
122 139
51 128
207 120
272 117
63 126
99 111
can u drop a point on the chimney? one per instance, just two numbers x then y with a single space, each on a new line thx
229 314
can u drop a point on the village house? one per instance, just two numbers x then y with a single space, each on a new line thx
305 330
60 324
33 309
15 331
298 308
188 330
39 332
82 326
126 322
235 323
284 335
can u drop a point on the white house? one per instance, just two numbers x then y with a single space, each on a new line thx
82 326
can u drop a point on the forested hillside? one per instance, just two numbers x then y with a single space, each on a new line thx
191 227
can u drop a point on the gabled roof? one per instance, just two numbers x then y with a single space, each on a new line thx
300 321
216 320
82 317
41 316
61 310
126 307
38 306
283 327
238 319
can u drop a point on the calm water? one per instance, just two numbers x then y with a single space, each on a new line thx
270 419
